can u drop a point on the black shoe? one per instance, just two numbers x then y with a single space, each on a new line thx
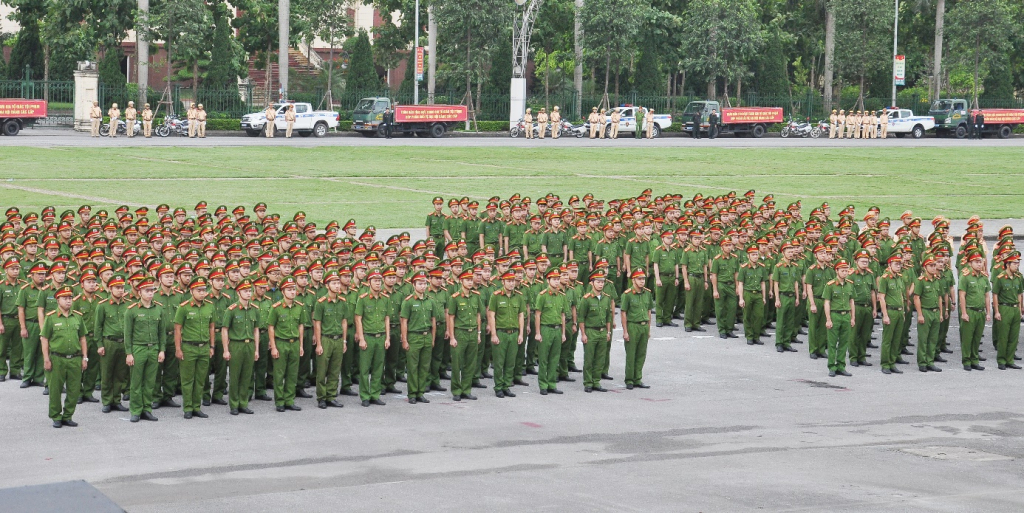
977 367
758 342
322 405
865 364
658 325
934 368
57 424
901 361
46 390
543 391
588 389
392 390
731 335
886 371
469 397
206 402
334 404
169 403
148 416
125 397
519 382
377 402
855 364
365 404
723 336
200 414
567 378
292 407
1016 358
246 411
1002 366
423 399
641 385
348 392
843 373
573 368
263 397
188 415
814 356
906 352
155 405
444 375
479 385
220 402
894 370
135 418
922 368
456 398
1013 366
106 408
606 377
80 401
531 371
600 389
69 423
629 386
486 375
508 393
750 342
831 374
687 329
967 367
118 407
698 328
872 346
90 399
780 349
280 409
438 388
790 349
303 394
412 400
982 359
555 391
940 359
947 351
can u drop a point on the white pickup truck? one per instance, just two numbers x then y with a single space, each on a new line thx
903 122
307 120
627 121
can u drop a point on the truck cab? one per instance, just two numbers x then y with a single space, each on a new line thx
951 117
369 114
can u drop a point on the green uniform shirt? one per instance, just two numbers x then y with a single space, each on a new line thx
27 297
374 312
418 312
1007 288
465 307
786 275
638 250
595 312
817 277
725 268
506 308
241 322
455 226
170 302
110 320
492 230
863 285
331 314
637 305
752 276
665 258
580 246
87 307
514 233
144 326
264 304
551 305
975 286
287 319
894 289
195 320
694 259
555 242
532 241
435 225
839 294
64 333
9 299
929 290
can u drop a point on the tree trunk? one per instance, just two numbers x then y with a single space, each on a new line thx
860 96
977 66
830 50
46 73
195 80
330 74
547 80
940 13
617 74
739 91
469 75
432 54
607 71
577 71
269 81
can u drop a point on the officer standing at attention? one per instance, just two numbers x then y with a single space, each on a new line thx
95 118
975 300
130 115
330 331
786 282
145 340
286 328
637 303
722 272
64 347
594 119
419 328
542 123
506 321
833 120
201 121
596 318
464 311
695 120
752 289
528 124
640 113
194 345
602 120
114 114
841 120
389 121
713 124
979 125
884 122
373 332
271 116
929 305
556 122
192 115
892 299
615 118
1007 303
110 314
239 335
550 307
147 127
649 123
839 321
289 120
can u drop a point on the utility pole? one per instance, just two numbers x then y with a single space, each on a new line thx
521 30
143 49
416 57
431 53
895 34
283 11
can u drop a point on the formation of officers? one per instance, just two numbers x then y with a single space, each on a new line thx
867 124
224 307
196 115
597 121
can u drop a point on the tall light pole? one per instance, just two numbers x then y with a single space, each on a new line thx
895 35
283 11
143 49
416 58
522 28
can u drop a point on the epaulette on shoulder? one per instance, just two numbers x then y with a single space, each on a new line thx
831 282
965 272
456 294
105 300
26 285
588 295
299 303
51 312
158 303
232 307
321 300
364 294
647 289
45 287
275 305
77 312
477 292
183 303
385 294
133 305
410 296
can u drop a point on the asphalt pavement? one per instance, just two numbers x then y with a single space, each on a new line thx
724 427
51 137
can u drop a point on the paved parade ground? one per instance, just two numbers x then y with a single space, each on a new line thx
725 427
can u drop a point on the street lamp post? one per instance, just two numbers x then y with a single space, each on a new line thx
521 29
415 58
895 35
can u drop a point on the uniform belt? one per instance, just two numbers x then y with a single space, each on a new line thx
696 274
602 328
189 342
840 311
975 309
790 294
136 344
505 330
1014 305
551 325
334 337
289 340
641 323
894 308
822 298
242 340
68 356
419 332
114 339
373 334
865 305
753 292
930 309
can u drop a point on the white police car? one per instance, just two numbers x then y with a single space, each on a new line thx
307 120
903 122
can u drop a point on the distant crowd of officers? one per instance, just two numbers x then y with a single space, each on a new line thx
196 116
867 124
226 306
598 120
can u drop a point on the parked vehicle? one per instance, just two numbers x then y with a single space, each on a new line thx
628 121
307 121
800 129
903 122
122 128
953 115
740 121
16 114
421 120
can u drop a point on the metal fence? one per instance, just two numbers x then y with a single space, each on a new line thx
59 96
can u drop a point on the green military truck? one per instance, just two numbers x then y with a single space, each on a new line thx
952 115
421 120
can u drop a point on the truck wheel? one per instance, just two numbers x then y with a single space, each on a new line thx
917 132
1005 131
961 132
11 127
758 131
437 130
319 129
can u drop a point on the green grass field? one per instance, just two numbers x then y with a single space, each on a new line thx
392 187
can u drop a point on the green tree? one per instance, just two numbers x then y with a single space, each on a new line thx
186 27
227 58
257 33
982 32
361 74
725 35
328 21
771 77
28 48
109 67
610 31
863 40
499 77
551 40
468 31
999 81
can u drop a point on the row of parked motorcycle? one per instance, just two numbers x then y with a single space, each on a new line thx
172 125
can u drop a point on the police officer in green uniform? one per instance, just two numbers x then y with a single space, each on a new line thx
752 289
373 333
170 297
286 327
64 348
28 318
506 321
693 269
465 310
330 330
1008 302
262 299
110 314
892 301
975 300
10 342
596 318
86 302
549 320
785 279
928 303
215 388
145 343
194 345
838 298
239 334
723 271
637 303
865 298
666 273
418 325
815 278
